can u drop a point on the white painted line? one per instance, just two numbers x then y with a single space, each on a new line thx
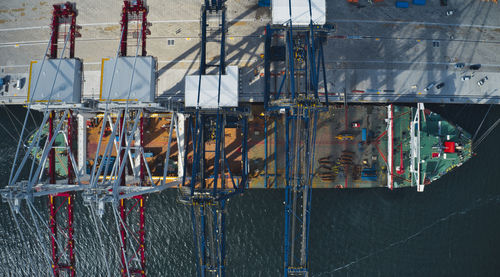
164 61
23 42
15 65
400 62
79 40
24 28
416 23
197 20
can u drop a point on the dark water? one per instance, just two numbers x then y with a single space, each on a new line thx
452 229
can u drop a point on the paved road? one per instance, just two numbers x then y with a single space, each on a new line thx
396 47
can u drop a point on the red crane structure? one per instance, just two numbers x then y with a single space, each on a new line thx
128 89
57 97
61 204
135 11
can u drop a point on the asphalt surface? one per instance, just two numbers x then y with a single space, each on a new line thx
388 53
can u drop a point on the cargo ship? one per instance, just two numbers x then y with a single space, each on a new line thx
362 146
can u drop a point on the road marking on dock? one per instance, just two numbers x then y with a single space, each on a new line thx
416 23
233 21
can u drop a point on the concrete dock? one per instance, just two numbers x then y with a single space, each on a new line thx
378 53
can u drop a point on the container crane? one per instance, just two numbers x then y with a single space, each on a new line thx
211 108
295 41
58 98
128 90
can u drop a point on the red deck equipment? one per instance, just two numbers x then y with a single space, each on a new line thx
449 147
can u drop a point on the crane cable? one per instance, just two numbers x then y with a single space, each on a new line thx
7 131
129 235
121 242
46 111
125 112
39 237
109 235
93 215
27 113
12 121
94 179
483 136
481 124
50 232
25 246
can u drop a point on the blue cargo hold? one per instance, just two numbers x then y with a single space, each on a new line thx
419 2
1 82
363 134
402 4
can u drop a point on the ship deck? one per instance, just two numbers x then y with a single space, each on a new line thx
351 149
341 157
155 143
439 161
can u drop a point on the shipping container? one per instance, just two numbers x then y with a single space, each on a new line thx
402 4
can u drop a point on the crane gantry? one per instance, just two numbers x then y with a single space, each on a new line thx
211 108
295 45
58 132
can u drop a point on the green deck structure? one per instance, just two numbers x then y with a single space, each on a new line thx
435 131
59 149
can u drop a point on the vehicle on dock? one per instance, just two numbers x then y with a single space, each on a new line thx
475 67
481 82
429 86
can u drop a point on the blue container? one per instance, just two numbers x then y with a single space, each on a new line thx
402 4
419 2
264 3
369 174
363 134
1 82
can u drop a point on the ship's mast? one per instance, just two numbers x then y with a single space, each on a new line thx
415 126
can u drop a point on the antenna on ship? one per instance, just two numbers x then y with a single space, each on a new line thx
294 108
211 176
58 97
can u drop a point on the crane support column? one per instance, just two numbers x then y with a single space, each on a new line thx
296 105
212 178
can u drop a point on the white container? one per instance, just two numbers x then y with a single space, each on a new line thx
301 15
